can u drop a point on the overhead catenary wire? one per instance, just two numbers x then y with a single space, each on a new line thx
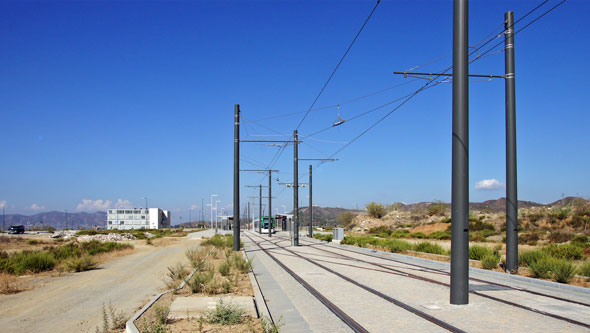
338 65
444 72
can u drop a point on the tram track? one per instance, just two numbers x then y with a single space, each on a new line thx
394 271
388 298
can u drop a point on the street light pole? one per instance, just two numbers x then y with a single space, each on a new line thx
211 214
236 209
310 206
216 215
295 188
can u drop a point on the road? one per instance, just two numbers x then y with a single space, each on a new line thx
74 303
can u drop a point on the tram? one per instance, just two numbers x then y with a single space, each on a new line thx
265 222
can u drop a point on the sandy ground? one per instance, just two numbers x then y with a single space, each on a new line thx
74 303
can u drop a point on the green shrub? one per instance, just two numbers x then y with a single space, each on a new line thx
477 225
33 242
446 220
226 314
439 235
438 208
490 261
176 272
381 230
346 219
419 235
527 258
219 241
200 280
564 251
162 313
69 250
581 241
94 247
323 237
397 246
429 248
585 269
81 264
477 252
563 271
542 267
241 263
375 210
403 233
225 268
31 261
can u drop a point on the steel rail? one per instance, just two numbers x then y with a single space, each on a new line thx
355 326
390 299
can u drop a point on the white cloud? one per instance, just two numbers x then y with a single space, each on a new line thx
93 205
195 207
489 185
2 203
37 207
124 203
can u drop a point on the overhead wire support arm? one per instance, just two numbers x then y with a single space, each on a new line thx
407 74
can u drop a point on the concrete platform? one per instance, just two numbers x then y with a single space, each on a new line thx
197 306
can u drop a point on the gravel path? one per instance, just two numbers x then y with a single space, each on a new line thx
73 303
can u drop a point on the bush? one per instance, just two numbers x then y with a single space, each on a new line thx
241 263
219 241
581 241
375 210
585 269
392 245
419 235
478 225
94 247
438 208
400 234
542 267
226 314
439 235
563 271
477 252
397 246
81 264
33 242
199 281
161 313
346 219
31 261
224 268
381 230
429 248
527 258
69 250
176 272
564 251
490 261
324 237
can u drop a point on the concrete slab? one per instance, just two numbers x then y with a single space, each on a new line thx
196 306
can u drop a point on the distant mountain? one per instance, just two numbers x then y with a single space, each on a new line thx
57 220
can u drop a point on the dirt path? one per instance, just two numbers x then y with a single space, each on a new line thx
73 303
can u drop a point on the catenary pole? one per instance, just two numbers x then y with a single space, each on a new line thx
511 184
236 226
295 189
260 209
460 157
269 203
310 205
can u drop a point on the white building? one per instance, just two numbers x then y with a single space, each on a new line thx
137 218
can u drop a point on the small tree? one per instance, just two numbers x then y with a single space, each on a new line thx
345 219
376 210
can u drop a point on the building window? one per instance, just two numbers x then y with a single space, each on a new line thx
110 222
120 212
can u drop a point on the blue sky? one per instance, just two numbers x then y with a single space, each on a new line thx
113 101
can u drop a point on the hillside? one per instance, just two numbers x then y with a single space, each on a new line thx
57 220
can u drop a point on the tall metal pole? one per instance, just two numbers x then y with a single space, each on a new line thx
248 217
310 205
260 210
202 208
295 189
511 185
236 226
460 157
269 202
